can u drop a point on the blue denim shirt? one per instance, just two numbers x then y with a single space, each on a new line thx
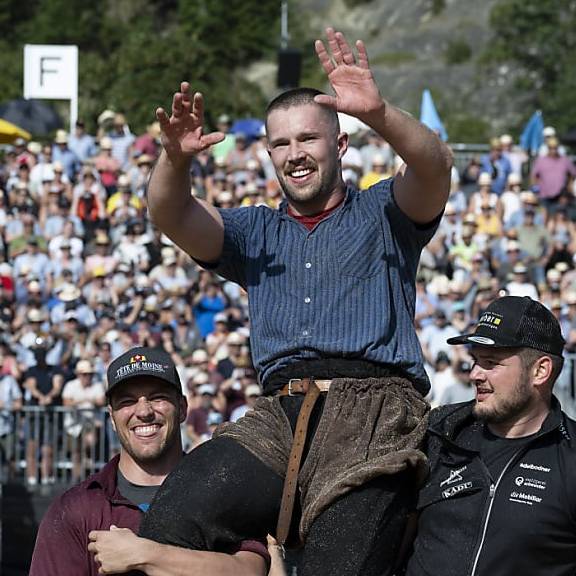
344 290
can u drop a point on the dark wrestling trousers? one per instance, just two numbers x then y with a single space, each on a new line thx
221 493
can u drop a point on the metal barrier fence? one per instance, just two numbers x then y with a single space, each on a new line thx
65 445
565 387
463 153
48 445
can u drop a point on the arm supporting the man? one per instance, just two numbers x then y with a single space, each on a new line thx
119 550
164 560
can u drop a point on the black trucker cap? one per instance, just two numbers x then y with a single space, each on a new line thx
516 322
142 361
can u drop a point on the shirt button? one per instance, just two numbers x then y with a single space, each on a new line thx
304 332
308 265
307 300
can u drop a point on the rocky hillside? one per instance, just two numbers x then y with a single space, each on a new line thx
413 46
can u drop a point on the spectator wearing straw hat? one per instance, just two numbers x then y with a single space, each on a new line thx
83 393
61 153
130 248
552 173
65 260
198 420
497 165
122 140
107 166
35 262
380 170
139 178
483 195
69 235
42 171
70 298
515 154
123 205
148 142
512 255
549 133
221 149
510 198
251 395
100 256
520 284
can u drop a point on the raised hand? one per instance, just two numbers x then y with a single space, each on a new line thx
350 76
183 132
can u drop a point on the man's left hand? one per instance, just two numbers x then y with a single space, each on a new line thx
350 76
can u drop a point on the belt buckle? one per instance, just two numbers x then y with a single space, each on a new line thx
290 382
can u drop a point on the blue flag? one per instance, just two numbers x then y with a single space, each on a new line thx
429 115
532 137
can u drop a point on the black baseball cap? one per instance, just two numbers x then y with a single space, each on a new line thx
516 322
142 361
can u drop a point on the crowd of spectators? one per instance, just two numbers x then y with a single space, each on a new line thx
85 275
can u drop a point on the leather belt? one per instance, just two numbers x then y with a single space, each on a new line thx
297 386
312 388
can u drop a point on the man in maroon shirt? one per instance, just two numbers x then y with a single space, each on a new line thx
90 529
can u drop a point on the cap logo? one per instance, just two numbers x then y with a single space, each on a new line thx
138 358
139 366
482 340
490 320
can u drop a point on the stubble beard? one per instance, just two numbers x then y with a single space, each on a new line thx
315 190
508 408
150 453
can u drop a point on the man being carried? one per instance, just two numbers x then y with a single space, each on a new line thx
330 278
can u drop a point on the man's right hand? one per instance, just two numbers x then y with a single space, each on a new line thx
183 132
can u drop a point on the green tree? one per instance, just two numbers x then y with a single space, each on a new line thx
457 51
134 53
538 38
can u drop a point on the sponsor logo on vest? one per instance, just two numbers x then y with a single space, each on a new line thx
455 476
524 498
534 467
530 483
449 492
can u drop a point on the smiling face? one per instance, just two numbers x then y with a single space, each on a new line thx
146 414
504 392
306 148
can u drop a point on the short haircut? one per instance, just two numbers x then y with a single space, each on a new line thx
528 356
302 97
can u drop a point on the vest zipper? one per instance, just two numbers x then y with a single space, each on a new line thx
491 495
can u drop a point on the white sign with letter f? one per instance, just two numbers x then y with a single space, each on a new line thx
51 72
